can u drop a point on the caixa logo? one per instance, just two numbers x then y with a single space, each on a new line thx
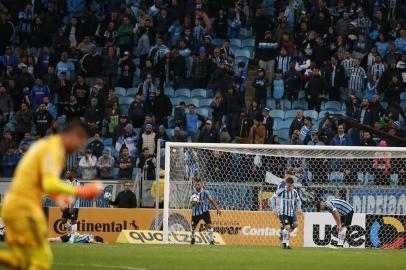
355 235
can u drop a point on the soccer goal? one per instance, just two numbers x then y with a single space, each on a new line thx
243 178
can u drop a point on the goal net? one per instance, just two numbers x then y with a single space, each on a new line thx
242 179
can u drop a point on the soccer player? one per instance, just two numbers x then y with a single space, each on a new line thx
70 211
281 187
201 209
38 174
289 204
342 213
73 237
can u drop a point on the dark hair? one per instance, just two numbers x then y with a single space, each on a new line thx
198 180
289 180
98 239
75 124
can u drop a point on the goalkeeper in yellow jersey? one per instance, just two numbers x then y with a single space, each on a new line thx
38 174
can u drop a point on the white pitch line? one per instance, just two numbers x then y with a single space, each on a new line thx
100 266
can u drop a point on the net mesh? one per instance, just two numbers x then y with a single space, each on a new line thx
242 180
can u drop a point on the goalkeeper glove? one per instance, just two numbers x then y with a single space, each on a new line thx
89 191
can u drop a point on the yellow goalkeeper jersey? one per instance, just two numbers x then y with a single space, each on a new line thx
38 172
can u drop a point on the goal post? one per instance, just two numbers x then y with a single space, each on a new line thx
243 177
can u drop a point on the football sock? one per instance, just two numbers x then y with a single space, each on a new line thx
285 237
9 259
193 234
341 236
211 230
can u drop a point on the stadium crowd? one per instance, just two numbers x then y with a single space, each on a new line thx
140 70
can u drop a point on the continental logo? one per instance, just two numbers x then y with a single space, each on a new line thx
156 237
84 226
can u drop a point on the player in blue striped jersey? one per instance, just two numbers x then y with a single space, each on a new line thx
342 213
200 210
289 204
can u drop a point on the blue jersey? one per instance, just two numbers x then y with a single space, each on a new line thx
203 205
280 188
289 202
341 206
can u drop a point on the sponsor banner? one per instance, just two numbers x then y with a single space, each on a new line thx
379 201
235 227
156 237
387 232
320 231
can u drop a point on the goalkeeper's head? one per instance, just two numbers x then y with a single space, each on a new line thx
198 184
74 136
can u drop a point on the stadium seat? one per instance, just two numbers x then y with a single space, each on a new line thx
322 114
332 106
182 92
248 42
120 91
203 112
287 105
242 53
124 108
131 92
243 59
218 42
284 124
235 42
198 93
290 115
194 101
300 104
170 132
108 142
125 100
277 114
171 122
205 103
176 100
313 114
403 96
302 95
169 92
283 135
343 106
336 177
245 33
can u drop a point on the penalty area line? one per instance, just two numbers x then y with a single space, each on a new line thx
99 266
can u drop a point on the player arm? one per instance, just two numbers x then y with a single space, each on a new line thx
52 184
213 202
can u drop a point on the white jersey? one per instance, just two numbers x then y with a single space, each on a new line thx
74 183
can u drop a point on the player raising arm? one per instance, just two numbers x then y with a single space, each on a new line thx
342 213
38 174
289 204
200 201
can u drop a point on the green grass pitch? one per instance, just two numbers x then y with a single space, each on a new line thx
179 257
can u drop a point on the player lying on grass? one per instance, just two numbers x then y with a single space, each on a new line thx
200 210
38 174
73 237
342 213
289 204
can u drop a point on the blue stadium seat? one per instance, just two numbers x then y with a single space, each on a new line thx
302 95
125 100
248 42
313 114
169 92
132 92
343 106
108 142
205 103
283 135
120 91
182 92
218 42
198 93
290 115
245 33
336 177
242 53
176 100
284 124
124 108
300 104
277 114
170 132
203 112
171 122
332 106
194 101
235 42
287 105
403 96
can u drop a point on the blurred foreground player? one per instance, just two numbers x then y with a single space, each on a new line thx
36 175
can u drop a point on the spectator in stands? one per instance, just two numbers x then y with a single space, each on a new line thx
243 128
87 164
192 120
9 161
297 123
217 104
110 67
127 140
8 59
327 129
315 140
105 165
267 51
209 134
96 145
42 120
51 108
267 120
147 164
356 81
6 141
365 115
38 92
65 66
127 71
253 112
200 67
62 90
277 90
137 112
257 132
125 164
147 140
6 103
295 140
27 139
292 79
125 198
92 65
335 76
72 109
307 131
178 135
400 42
315 90
367 139
232 111
23 121
341 138
53 129
162 135
125 35
93 117
162 108
261 84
